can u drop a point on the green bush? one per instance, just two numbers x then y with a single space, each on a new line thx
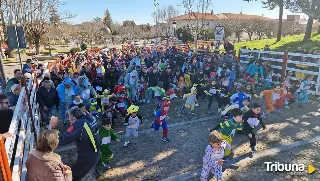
74 50
83 47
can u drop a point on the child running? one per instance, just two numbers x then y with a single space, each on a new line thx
251 120
132 123
106 135
228 128
212 161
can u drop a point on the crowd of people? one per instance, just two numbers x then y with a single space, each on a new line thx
97 91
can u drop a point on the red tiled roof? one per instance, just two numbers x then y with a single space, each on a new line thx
195 16
241 16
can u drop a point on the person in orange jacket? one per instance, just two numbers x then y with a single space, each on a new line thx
271 96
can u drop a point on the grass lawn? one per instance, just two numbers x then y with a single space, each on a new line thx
10 60
289 43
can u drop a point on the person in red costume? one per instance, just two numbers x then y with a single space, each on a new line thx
160 119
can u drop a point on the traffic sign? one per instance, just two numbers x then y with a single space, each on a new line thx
219 33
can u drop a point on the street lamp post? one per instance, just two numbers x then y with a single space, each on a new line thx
174 25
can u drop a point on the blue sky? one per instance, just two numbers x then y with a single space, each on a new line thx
140 10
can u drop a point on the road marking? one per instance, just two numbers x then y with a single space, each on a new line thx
255 156
73 146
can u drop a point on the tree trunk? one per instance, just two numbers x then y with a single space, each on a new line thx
37 44
280 20
307 35
250 36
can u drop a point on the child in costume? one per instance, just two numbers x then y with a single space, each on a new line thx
271 96
213 159
106 135
229 128
159 93
109 114
212 91
132 123
76 101
249 92
93 107
251 120
281 101
223 98
191 100
182 85
301 94
123 103
160 119
142 90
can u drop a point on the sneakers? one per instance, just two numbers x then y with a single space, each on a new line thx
253 149
287 107
197 105
192 112
152 125
107 166
165 139
126 143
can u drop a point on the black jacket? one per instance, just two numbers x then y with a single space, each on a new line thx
153 79
47 98
6 117
251 114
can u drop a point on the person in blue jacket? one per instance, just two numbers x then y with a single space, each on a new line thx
66 91
255 67
83 131
27 68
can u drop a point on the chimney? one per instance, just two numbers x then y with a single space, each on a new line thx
211 12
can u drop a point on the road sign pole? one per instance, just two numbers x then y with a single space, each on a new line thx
18 45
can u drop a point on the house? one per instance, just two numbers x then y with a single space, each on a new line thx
209 20
194 19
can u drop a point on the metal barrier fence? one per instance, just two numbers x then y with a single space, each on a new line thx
25 125
281 63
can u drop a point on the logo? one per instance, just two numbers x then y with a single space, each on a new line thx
288 167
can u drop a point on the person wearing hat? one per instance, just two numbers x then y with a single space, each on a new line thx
191 100
132 123
160 119
66 90
27 68
93 107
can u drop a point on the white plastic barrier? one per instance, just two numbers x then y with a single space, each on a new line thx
277 64
22 126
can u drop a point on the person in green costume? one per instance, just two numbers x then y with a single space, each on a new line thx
106 135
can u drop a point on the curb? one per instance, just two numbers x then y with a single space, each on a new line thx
255 156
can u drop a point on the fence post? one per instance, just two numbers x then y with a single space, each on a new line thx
23 83
284 65
4 163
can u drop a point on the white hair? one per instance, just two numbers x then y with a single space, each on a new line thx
15 87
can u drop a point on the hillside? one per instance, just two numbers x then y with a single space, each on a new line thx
290 43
